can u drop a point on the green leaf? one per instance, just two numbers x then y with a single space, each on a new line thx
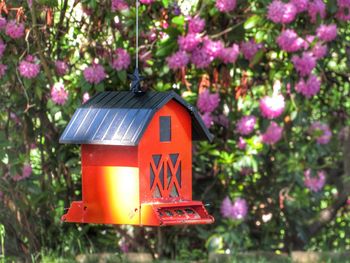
122 75
166 48
258 56
252 21
178 20
165 3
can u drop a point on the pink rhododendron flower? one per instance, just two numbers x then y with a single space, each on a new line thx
118 5
208 102
14 30
301 5
250 48
196 25
309 88
121 59
29 67
280 12
321 131
343 10
289 41
272 134
241 143
236 210
26 170
86 97
225 5
189 42
304 64
246 125
94 74
275 11
3 69
2 48
229 54
222 120
314 183
178 60
3 23
207 119
146 2
319 51
290 11
315 8
308 40
200 58
327 33
61 67
272 107
213 48
59 95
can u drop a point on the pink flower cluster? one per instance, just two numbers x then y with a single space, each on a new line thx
207 103
121 59
225 5
304 64
309 88
3 23
146 2
118 5
236 210
301 5
229 54
26 172
196 25
314 183
321 132
327 33
272 107
29 67
289 41
94 74
316 8
14 30
200 51
343 10
280 12
246 125
189 42
272 134
61 67
319 51
241 143
178 60
250 48
59 95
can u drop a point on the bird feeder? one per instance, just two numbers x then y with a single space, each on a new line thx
136 158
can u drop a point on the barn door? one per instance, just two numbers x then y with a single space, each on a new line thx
165 175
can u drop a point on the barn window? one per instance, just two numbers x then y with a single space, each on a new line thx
165 128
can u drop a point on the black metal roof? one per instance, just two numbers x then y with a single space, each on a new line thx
121 117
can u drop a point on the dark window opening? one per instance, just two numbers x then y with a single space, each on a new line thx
165 128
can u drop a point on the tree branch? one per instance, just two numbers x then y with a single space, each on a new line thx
38 44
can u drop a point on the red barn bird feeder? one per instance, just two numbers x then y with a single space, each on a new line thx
136 158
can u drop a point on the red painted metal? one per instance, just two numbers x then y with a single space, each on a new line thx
149 184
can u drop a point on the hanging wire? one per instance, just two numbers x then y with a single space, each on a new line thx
135 77
137 33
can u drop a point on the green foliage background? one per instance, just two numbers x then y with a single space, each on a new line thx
30 209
